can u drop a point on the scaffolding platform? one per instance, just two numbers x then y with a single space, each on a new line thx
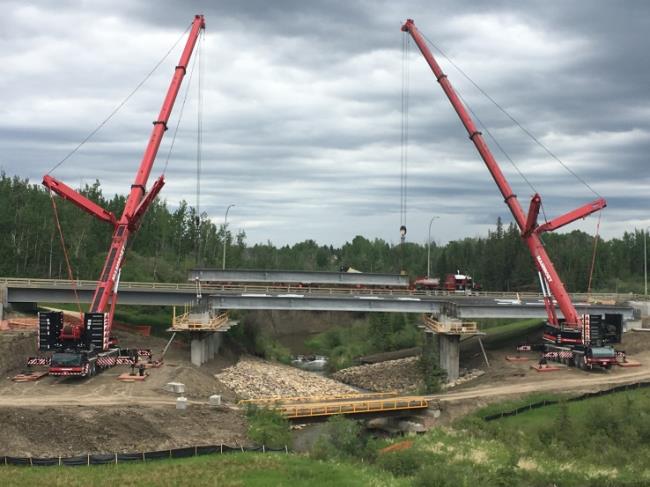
200 321
450 326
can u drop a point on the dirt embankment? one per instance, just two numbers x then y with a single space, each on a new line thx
15 347
47 431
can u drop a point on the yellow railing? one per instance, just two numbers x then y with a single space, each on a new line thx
184 322
307 399
452 328
353 407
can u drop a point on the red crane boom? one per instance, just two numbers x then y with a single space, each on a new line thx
549 278
138 201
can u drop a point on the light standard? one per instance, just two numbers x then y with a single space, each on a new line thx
225 237
645 260
429 247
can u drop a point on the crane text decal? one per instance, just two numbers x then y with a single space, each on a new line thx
544 269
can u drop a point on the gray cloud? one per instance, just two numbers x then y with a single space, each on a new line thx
302 108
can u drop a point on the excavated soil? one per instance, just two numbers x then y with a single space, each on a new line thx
46 431
15 346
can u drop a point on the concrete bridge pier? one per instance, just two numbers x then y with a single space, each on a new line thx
3 301
449 354
204 346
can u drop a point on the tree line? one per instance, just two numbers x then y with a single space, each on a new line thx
173 240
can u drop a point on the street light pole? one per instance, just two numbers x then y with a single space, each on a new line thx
225 237
645 260
429 247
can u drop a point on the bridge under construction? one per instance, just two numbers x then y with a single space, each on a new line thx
221 290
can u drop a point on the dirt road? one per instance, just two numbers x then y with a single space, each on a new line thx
584 381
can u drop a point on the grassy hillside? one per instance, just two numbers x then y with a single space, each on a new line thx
234 469
598 442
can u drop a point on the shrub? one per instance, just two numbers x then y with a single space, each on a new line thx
268 427
341 438
402 463
432 374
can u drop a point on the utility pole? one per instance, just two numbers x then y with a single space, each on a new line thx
429 247
225 237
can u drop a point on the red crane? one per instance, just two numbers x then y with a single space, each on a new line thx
105 296
571 331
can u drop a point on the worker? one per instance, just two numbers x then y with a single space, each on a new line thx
542 362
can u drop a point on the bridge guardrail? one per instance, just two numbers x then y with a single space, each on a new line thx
332 291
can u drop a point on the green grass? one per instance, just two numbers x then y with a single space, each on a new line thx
233 469
511 404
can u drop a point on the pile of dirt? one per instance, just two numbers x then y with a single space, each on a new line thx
198 384
47 432
634 342
15 347
401 375
253 378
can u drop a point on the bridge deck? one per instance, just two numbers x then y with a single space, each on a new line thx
223 297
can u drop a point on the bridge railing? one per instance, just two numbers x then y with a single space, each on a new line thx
190 287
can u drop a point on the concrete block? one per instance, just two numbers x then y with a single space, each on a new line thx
214 400
176 387
181 403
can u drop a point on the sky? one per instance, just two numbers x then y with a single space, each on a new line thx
302 109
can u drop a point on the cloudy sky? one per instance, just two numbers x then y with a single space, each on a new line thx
302 108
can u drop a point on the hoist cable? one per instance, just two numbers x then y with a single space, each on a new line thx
503 151
121 104
593 255
199 127
65 255
513 119
404 131
199 147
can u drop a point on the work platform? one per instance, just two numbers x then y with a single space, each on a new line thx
205 328
448 331
362 404
201 321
